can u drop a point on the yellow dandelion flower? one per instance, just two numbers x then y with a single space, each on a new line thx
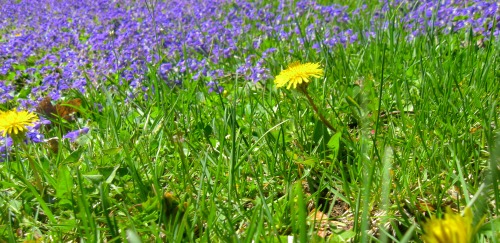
15 122
298 74
453 228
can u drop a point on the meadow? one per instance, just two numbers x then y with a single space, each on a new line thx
249 121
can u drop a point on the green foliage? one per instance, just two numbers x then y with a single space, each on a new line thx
254 163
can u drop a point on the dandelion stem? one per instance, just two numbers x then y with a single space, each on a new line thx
303 89
38 179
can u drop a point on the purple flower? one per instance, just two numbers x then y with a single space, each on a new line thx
98 107
35 137
73 135
165 68
214 87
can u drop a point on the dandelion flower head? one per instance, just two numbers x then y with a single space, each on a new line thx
451 228
16 122
298 74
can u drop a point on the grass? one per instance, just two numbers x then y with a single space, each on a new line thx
417 131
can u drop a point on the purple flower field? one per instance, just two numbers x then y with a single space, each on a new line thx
49 47
54 46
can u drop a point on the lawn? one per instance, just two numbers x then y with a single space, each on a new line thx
249 121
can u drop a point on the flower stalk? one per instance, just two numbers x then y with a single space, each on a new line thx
31 162
303 90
